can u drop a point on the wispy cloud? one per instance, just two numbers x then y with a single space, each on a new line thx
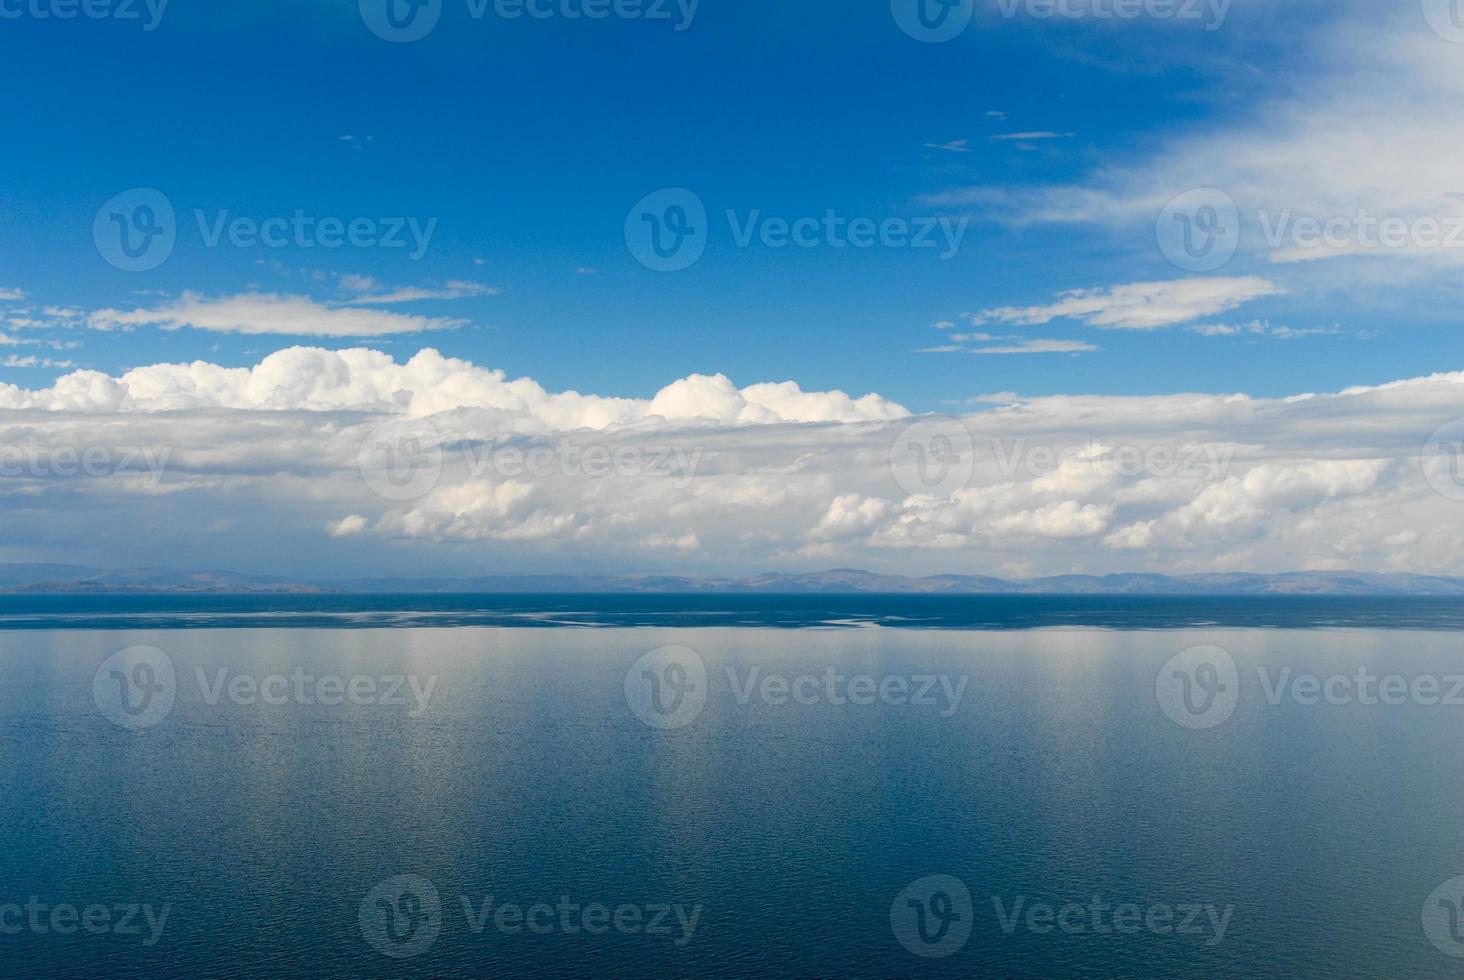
1139 305
1040 347
368 291
954 146
31 361
1260 328
270 313
1031 136
1009 345
1378 78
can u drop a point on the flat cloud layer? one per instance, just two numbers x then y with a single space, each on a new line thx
348 462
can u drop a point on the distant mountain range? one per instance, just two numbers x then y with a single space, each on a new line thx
76 578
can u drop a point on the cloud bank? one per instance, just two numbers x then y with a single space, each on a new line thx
349 462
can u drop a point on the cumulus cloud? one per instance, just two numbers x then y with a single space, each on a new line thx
271 460
347 526
318 380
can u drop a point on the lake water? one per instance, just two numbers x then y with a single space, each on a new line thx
1218 802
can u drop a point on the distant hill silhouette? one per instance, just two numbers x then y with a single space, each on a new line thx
23 578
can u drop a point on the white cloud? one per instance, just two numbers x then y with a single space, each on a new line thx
1039 134
1139 305
1260 328
704 476
1039 347
1379 79
368 292
269 313
316 380
347 526
1067 519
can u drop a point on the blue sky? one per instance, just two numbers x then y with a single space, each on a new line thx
1152 231
529 141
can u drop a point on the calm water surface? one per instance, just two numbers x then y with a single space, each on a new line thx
786 823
